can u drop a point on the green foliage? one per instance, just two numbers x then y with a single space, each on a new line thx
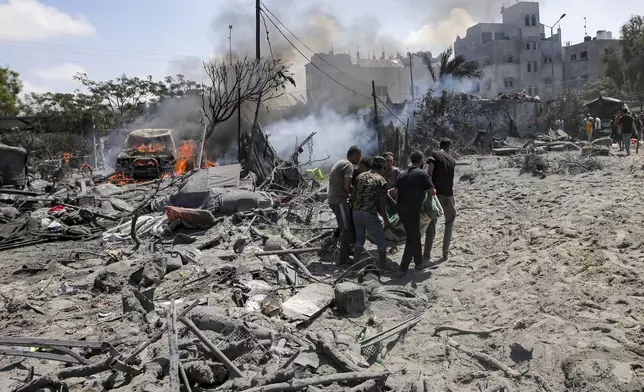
448 114
457 67
10 87
625 66
569 107
604 87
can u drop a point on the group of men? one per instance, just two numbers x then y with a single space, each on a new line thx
359 186
625 126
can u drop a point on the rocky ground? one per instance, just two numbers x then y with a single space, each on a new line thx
544 277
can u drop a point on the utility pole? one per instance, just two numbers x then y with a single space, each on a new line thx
375 116
239 130
412 104
552 51
258 10
230 43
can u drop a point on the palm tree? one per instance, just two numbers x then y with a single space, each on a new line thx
458 67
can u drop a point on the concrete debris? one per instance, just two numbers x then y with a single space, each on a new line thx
202 280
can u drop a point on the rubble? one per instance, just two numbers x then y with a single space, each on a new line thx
202 282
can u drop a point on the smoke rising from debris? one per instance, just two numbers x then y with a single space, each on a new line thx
335 133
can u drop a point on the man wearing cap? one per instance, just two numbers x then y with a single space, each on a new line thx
340 189
369 201
441 168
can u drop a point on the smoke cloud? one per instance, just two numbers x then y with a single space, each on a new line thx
335 133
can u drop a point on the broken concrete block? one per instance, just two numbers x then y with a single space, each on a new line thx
350 298
308 301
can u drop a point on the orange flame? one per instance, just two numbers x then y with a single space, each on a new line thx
118 179
209 164
185 156
150 147
67 157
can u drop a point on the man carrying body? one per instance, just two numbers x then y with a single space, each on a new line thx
340 189
440 168
391 172
413 185
626 122
369 201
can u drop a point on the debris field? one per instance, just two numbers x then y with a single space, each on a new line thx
202 282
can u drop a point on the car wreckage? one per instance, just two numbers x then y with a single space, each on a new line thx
147 153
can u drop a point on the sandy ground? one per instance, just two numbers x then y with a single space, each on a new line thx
554 263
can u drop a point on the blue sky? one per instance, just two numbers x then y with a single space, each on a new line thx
48 41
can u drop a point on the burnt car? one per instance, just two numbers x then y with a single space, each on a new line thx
13 166
147 153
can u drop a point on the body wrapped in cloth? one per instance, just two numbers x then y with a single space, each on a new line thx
395 232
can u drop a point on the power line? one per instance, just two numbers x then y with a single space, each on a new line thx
314 65
307 47
318 68
270 48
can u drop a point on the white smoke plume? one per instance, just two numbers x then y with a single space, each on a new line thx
335 133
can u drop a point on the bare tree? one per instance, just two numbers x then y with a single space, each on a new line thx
245 81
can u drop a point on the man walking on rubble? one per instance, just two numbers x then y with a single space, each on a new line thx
626 122
369 201
340 189
441 167
413 185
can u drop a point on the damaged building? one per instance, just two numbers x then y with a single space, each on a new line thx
351 86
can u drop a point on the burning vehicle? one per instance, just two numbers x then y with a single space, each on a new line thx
147 153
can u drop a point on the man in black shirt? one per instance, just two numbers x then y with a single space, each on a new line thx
626 121
440 168
413 186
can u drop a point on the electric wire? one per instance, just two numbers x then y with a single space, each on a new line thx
264 8
327 75
313 64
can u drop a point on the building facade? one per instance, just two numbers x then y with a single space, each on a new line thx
583 62
343 83
515 54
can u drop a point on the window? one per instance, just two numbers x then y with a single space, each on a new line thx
573 57
381 90
548 81
534 45
499 36
508 83
488 85
507 59
486 61
534 66
529 66
527 20
547 59
527 45
486 37
533 20
529 90
583 55
584 78
536 90
476 88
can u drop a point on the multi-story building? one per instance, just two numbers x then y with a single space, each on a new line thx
343 83
515 54
583 62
